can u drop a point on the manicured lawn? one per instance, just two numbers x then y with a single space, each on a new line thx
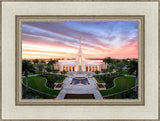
130 94
52 78
38 83
122 83
123 72
31 94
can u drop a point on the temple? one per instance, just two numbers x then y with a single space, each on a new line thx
80 63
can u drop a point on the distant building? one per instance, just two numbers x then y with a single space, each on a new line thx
80 64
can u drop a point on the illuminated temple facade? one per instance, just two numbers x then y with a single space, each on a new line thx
80 63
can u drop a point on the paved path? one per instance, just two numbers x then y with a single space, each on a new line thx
79 88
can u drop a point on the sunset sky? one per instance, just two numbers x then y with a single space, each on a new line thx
46 40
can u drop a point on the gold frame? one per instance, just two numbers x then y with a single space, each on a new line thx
75 1
141 64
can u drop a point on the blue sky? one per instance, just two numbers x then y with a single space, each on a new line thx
61 39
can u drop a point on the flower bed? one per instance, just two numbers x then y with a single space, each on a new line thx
101 86
58 86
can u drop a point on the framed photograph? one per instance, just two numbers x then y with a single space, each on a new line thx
84 60
67 74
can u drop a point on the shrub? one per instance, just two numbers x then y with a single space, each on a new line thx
63 72
97 72
107 78
59 85
99 79
50 84
100 85
52 78
104 70
55 70
48 69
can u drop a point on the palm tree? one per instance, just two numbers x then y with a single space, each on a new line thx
42 62
51 62
120 65
48 69
109 61
125 61
111 68
35 61
40 68
133 67
26 68
116 61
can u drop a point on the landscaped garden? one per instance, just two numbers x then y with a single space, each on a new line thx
121 84
53 78
107 78
59 85
38 83
129 94
45 82
31 94
99 78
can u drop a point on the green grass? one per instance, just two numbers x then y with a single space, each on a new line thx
52 78
37 72
31 74
38 83
31 94
123 72
130 94
122 83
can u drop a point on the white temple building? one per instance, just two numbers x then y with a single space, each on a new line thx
80 64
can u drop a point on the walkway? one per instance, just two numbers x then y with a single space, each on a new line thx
79 88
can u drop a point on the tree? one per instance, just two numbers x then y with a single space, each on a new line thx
111 68
55 70
26 68
43 63
116 61
48 69
120 65
125 61
97 72
104 70
63 72
50 63
40 68
133 67
108 60
35 61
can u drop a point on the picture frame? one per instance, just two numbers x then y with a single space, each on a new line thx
20 19
18 104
